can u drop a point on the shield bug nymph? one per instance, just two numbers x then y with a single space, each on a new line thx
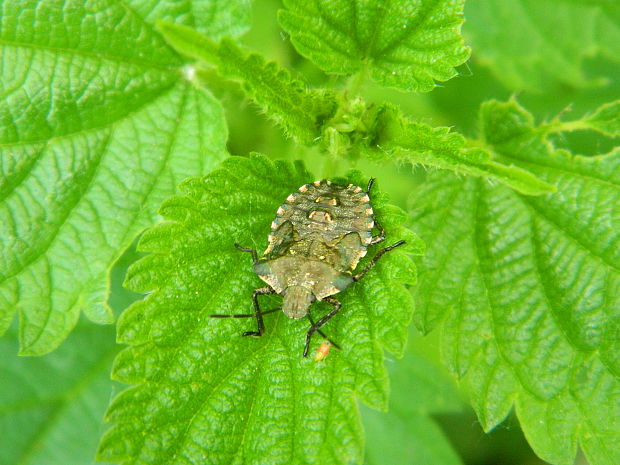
317 238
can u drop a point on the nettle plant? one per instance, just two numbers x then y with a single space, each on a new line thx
109 130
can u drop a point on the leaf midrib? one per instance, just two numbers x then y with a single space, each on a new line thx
576 174
539 213
221 382
24 265
110 125
476 240
92 55
411 29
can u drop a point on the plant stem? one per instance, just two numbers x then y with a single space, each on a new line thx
357 81
331 166
564 126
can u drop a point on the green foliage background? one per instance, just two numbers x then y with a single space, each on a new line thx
518 293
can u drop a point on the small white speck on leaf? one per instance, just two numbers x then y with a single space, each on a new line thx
189 72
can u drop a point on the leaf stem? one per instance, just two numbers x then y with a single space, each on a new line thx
357 81
564 126
480 143
331 166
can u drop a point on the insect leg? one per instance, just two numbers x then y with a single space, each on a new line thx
375 259
315 327
322 333
257 313
381 236
246 315
252 251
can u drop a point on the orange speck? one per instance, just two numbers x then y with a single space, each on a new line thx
322 352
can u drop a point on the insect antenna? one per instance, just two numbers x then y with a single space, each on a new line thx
246 315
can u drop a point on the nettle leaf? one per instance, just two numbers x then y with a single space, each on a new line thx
299 111
97 125
530 44
55 423
528 290
400 139
204 394
406 44
342 125
606 120
213 18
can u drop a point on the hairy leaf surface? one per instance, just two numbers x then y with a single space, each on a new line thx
93 133
400 139
295 108
530 44
202 393
343 124
403 44
528 290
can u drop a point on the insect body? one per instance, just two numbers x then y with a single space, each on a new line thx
317 238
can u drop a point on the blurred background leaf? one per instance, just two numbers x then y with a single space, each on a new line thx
536 44
51 407
408 434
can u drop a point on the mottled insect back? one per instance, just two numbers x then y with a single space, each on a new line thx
328 212
317 238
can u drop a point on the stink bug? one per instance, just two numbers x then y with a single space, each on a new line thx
317 238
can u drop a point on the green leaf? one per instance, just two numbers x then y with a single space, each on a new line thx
213 18
51 407
342 125
300 112
531 44
528 290
606 119
204 394
97 125
397 138
407 434
403 44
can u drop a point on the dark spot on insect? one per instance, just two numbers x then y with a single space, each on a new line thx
318 237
